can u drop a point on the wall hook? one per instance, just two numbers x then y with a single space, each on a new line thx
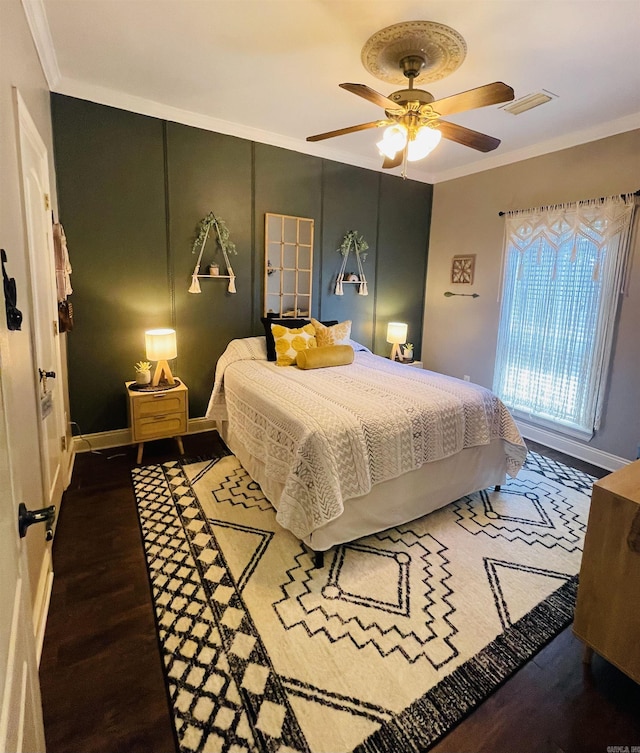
448 294
14 315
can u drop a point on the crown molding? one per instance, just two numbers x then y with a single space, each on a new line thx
601 131
143 106
41 33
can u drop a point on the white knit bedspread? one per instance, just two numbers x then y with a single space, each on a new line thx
327 435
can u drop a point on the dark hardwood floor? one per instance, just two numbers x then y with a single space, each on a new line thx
101 674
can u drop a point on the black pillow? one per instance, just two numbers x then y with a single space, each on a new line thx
288 321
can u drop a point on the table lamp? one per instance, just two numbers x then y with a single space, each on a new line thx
161 347
396 334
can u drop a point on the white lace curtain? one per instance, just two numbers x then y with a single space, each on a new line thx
564 268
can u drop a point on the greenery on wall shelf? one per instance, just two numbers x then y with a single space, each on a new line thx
352 241
206 224
222 233
355 242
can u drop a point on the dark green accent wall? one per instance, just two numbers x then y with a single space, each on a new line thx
207 171
285 183
350 203
131 191
401 271
110 170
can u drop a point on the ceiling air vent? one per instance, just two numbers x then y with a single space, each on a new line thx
529 102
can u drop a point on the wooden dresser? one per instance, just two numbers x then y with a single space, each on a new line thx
607 617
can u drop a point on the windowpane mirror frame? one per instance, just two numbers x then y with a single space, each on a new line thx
288 262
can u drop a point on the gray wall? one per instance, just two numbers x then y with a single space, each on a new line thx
460 334
132 190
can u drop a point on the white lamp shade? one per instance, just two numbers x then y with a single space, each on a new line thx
426 140
393 140
396 332
161 344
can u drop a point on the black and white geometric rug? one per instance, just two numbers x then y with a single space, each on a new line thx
387 647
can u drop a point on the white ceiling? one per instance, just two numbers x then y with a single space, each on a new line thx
268 70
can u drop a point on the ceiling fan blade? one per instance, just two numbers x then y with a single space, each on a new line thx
350 129
467 137
490 94
372 96
390 162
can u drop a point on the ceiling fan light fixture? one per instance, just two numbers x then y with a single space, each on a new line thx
417 51
425 141
393 140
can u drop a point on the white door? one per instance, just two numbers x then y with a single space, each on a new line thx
44 305
21 727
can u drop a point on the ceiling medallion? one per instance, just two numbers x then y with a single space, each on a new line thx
441 47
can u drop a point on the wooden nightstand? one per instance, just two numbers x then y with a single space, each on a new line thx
606 614
415 364
155 415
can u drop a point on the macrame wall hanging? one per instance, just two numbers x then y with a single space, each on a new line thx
356 243
226 245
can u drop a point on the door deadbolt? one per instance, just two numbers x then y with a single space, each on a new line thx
26 518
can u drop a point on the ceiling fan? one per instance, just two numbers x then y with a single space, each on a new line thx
427 51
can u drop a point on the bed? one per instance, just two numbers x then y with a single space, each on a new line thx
346 451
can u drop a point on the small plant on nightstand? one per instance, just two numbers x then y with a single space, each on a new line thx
407 351
143 372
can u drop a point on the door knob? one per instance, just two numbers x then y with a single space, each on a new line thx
26 518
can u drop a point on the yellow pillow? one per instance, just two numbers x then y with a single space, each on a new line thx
329 355
338 334
289 342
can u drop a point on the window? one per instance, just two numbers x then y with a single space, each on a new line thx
563 273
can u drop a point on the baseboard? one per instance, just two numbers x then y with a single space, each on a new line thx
41 602
105 440
69 472
592 455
